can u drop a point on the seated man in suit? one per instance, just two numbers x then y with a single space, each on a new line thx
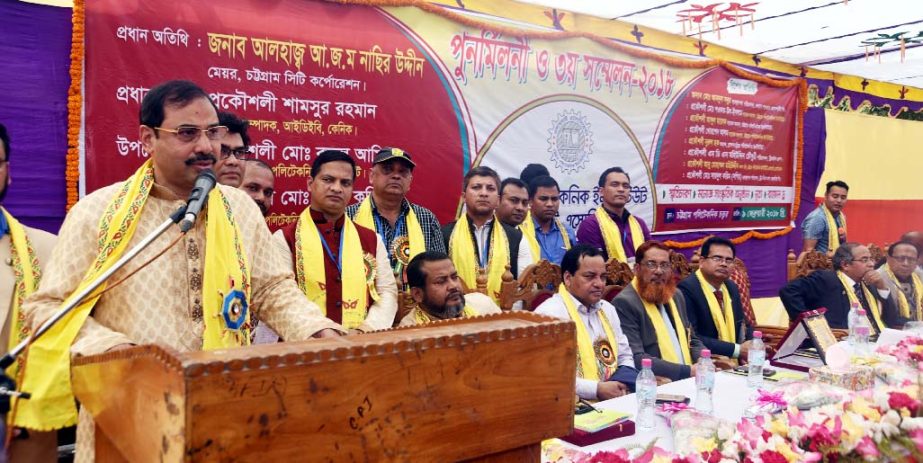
905 284
437 290
713 301
653 315
605 367
853 280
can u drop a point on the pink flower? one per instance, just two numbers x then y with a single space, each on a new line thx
606 456
917 437
820 437
867 448
899 400
712 457
771 456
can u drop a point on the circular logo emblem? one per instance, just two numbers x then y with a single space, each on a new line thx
570 142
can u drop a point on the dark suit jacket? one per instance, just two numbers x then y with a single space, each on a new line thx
822 288
513 236
642 338
704 324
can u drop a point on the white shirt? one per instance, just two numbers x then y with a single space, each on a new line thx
671 331
554 307
884 293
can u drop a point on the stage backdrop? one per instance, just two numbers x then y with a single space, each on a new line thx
707 147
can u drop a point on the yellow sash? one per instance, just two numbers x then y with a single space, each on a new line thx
528 230
902 298
27 274
420 316
356 268
724 322
463 252
613 236
414 230
48 373
587 365
667 352
872 299
833 232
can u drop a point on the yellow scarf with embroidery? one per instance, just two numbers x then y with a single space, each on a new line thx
902 302
420 317
613 237
27 274
464 254
528 230
872 299
588 366
667 352
724 322
357 269
226 275
414 230
833 231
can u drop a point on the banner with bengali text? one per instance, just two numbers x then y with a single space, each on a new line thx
705 148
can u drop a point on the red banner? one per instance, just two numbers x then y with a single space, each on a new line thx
308 75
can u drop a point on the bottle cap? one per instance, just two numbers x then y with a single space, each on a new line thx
646 363
705 354
862 312
757 335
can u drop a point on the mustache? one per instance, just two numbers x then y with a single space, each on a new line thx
657 293
199 157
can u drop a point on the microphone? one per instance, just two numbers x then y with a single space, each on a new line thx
204 184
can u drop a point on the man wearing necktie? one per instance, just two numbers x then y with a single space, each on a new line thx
853 280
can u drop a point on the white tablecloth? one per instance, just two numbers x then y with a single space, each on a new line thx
731 397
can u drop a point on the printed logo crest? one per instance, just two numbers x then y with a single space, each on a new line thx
570 142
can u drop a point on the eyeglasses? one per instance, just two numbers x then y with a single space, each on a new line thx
720 259
664 266
864 260
239 153
188 133
905 259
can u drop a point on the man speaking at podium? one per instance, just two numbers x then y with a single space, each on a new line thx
200 294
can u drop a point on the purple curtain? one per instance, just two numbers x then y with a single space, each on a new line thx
35 45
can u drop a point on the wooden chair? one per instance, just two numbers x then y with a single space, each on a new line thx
618 276
405 304
681 266
536 283
878 254
806 263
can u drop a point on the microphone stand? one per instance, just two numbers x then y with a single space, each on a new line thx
7 385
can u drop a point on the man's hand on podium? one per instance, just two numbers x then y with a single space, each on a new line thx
610 389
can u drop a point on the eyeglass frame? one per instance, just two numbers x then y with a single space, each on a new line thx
239 153
729 261
206 131
664 266
864 260
905 259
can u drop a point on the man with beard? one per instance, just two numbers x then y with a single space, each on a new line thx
713 301
230 166
548 237
259 183
437 290
612 228
226 260
653 316
477 240
340 265
605 368
405 228
24 252
514 202
853 280
825 227
906 285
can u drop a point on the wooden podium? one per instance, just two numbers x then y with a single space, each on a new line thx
480 389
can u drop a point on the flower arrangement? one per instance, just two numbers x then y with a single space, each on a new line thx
908 351
883 424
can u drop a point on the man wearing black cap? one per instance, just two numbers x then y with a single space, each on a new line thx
406 229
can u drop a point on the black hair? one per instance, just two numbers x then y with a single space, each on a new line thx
836 183
416 277
5 139
907 242
717 240
571 261
511 181
481 171
531 171
843 255
331 156
235 125
170 93
542 181
619 170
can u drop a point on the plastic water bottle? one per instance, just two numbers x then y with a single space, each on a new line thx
646 390
704 382
756 359
863 330
851 322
